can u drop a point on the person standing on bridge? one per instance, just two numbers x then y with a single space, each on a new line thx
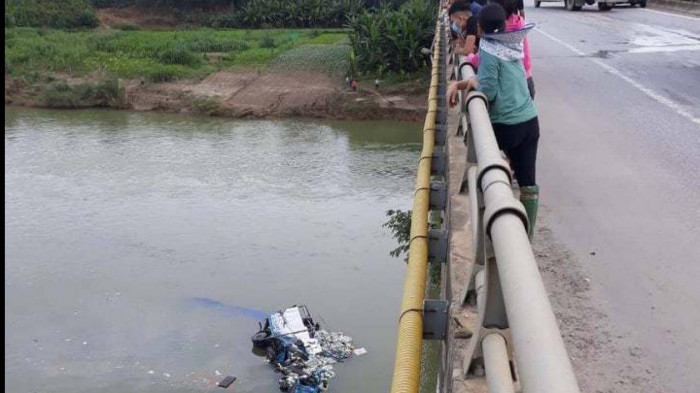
501 78
514 21
463 24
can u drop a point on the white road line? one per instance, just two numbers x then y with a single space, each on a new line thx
651 93
670 14
656 49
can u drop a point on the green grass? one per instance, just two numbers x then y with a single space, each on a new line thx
156 55
106 93
329 39
206 105
50 13
331 59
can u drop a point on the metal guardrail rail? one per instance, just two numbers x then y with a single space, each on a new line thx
425 244
516 325
517 337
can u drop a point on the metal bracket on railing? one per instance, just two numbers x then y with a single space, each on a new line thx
481 254
435 317
471 157
499 164
438 163
461 126
440 135
466 63
469 295
472 95
469 141
441 91
437 245
438 196
503 205
441 116
481 251
463 63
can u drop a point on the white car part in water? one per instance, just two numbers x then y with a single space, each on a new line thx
290 322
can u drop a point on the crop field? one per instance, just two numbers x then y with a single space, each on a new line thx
161 56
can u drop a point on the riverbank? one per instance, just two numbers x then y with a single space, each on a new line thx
270 73
240 94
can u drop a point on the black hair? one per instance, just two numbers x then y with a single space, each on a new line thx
492 19
510 6
459 6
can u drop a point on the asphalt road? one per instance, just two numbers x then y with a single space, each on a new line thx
619 169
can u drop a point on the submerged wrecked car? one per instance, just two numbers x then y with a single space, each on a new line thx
301 351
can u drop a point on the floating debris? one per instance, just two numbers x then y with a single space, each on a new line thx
301 351
359 351
227 382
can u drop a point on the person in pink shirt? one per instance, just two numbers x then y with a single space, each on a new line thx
514 21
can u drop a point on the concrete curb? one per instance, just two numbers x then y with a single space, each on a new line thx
691 8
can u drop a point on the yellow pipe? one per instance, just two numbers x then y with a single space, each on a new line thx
410 331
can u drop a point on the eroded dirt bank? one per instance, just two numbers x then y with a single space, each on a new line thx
251 94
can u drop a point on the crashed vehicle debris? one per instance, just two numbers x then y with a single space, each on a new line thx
301 351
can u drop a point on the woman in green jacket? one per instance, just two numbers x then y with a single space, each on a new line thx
501 77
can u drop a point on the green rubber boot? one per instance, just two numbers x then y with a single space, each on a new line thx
530 197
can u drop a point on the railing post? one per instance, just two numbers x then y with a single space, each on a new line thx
497 363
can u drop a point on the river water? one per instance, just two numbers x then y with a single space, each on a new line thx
141 249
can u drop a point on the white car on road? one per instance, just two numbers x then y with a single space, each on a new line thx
604 5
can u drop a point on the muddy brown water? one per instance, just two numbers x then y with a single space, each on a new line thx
142 248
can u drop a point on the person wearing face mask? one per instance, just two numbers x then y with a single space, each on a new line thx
464 27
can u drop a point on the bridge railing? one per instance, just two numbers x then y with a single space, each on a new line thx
516 334
419 318
516 337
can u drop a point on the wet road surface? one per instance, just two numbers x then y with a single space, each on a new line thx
619 99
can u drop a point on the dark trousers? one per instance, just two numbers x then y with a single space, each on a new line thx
519 142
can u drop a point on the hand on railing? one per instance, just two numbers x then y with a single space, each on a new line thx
469 84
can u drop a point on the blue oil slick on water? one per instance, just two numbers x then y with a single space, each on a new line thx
234 311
